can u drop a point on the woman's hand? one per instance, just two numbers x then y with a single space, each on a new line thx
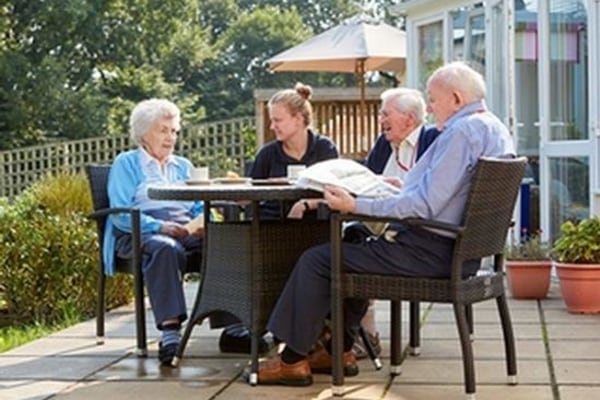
297 210
339 199
173 229
198 232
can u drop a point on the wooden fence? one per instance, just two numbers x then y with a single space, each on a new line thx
337 114
211 143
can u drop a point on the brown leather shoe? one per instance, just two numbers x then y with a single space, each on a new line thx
320 362
273 371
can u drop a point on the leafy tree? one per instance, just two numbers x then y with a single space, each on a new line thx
69 66
248 42
319 15
217 15
74 68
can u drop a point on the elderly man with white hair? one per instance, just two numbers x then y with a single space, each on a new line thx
435 188
404 139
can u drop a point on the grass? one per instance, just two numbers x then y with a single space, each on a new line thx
14 336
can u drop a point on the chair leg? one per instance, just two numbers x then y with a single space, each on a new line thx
396 338
469 314
415 328
509 340
140 315
193 321
254 337
369 347
183 343
337 309
460 315
100 307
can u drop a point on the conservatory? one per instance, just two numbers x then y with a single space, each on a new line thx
541 64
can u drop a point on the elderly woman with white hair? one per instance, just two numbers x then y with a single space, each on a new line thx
154 126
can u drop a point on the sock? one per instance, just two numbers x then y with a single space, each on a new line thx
289 356
170 335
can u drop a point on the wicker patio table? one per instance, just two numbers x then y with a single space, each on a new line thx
245 263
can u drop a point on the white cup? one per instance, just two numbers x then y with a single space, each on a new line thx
200 174
294 170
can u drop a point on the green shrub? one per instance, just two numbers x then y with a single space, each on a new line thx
220 163
62 194
579 243
49 254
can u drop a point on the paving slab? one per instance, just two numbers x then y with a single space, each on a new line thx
579 392
128 390
69 364
455 392
32 389
578 372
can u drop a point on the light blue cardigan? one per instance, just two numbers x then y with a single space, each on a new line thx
126 188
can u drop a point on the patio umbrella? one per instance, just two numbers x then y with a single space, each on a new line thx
357 45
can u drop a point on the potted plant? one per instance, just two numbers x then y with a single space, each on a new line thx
577 253
528 267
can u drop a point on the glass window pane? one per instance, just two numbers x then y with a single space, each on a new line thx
430 50
569 191
468 36
568 71
526 80
497 90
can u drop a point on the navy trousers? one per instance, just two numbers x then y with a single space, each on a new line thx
298 316
164 261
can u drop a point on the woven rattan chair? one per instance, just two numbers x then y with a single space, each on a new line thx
98 180
482 233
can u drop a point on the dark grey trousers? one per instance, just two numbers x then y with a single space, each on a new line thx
298 316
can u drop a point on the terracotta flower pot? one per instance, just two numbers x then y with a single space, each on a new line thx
528 279
580 287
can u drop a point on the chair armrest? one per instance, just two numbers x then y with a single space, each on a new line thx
136 237
103 212
429 223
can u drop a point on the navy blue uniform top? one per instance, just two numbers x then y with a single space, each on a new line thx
272 162
380 153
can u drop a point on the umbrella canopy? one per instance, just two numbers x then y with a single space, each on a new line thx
356 45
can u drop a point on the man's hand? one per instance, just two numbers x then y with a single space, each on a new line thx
394 181
339 199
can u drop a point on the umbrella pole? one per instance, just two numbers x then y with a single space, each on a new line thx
361 77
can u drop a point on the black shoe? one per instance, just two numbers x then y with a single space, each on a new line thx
236 339
166 353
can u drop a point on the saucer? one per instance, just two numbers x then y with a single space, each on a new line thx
198 182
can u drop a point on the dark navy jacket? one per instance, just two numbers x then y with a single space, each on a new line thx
380 153
271 162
